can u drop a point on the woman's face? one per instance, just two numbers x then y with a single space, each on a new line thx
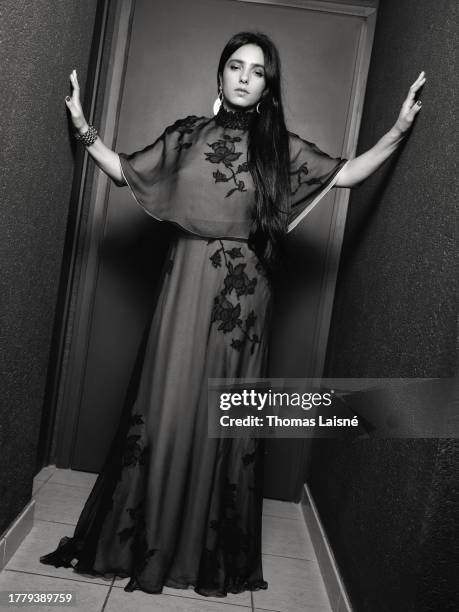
243 79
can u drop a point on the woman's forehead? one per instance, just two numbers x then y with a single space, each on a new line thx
251 54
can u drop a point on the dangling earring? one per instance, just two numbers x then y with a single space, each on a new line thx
218 102
258 108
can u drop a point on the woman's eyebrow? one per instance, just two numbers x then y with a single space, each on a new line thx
242 62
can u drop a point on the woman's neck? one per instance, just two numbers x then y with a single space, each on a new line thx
239 118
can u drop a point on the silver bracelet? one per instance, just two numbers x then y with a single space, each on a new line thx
89 137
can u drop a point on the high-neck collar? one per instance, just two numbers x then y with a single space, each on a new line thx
237 120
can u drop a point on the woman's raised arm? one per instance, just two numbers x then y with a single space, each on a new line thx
105 158
359 168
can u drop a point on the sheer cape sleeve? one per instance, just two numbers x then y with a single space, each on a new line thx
188 177
312 174
151 173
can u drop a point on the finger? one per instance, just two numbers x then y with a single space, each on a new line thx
409 100
419 82
75 96
414 110
74 80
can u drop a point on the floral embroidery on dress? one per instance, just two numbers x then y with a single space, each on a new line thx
135 514
134 453
301 173
233 539
136 532
224 152
224 310
136 419
183 126
249 458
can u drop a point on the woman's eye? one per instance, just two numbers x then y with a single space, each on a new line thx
234 67
260 74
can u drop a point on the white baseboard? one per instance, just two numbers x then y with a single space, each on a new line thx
14 535
336 591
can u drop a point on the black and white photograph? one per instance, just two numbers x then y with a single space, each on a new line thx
229 321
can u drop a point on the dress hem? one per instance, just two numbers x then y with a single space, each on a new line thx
66 555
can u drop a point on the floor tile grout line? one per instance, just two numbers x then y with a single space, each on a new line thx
288 518
45 477
201 598
56 522
108 594
19 571
211 601
36 519
315 609
36 490
42 483
72 486
288 557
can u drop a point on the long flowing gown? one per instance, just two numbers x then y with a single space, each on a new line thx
171 505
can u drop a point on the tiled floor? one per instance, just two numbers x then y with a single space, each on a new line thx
289 563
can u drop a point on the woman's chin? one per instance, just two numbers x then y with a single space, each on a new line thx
239 105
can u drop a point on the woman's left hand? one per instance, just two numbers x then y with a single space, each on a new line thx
410 108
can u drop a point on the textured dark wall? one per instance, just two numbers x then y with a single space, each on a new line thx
395 309
42 43
394 316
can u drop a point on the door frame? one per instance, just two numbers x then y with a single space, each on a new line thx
82 286
78 332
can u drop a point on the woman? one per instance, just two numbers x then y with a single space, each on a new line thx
171 505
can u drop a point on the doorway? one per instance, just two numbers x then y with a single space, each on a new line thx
163 64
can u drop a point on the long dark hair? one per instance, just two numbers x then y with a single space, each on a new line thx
268 156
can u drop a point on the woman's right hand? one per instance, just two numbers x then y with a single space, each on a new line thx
107 160
74 105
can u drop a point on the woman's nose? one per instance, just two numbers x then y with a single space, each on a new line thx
244 78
